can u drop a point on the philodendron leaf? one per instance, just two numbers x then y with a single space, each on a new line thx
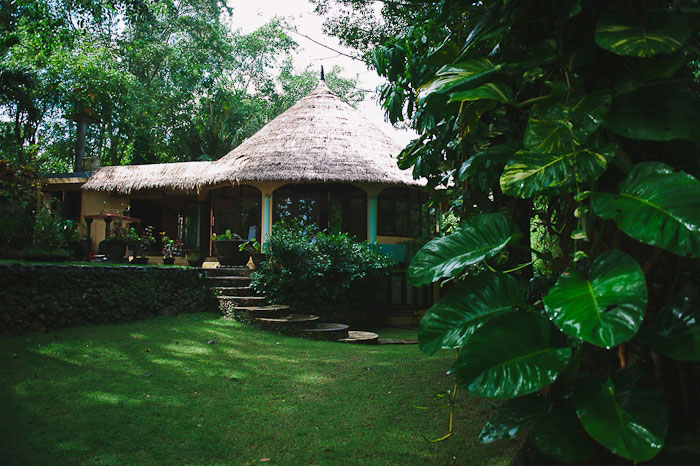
499 153
559 435
461 76
630 423
642 36
656 206
474 240
606 308
512 416
529 173
466 307
515 354
657 113
676 331
497 91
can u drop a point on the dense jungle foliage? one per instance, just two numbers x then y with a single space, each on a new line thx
149 81
565 134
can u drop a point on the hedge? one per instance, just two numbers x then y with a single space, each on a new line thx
42 297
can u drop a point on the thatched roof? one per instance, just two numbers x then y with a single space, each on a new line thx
185 176
319 139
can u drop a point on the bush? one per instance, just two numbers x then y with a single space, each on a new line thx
17 198
328 274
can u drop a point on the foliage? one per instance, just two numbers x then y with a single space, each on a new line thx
52 232
140 242
171 247
45 297
227 235
581 118
320 273
18 191
251 246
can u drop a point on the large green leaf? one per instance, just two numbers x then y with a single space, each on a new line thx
499 153
512 416
461 76
469 304
676 331
555 127
559 435
529 173
642 36
630 423
497 91
657 113
474 240
605 309
512 355
656 206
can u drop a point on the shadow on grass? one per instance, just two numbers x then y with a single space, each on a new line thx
158 392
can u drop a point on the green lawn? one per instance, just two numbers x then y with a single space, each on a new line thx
155 392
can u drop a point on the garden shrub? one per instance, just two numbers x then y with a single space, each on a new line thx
43 297
17 199
328 274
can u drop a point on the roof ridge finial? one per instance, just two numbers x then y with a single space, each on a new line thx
323 78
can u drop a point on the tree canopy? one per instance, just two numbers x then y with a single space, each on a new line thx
149 81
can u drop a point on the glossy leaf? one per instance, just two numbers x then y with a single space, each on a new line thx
474 240
499 92
656 206
466 307
451 78
499 153
656 114
605 309
560 435
512 355
676 331
512 416
642 36
630 423
529 173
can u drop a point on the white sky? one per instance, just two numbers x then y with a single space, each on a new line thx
249 15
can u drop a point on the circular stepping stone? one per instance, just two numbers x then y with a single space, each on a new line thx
326 331
361 338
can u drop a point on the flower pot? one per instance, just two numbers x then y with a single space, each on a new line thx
195 258
228 253
168 260
114 250
140 260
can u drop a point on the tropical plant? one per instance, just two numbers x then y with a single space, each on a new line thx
328 274
227 235
580 119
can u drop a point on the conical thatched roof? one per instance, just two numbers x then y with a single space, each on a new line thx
318 139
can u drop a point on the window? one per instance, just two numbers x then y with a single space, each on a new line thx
401 212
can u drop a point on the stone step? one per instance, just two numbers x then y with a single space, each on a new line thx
248 314
242 301
289 323
228 281
361 338
233 290
229 272
325 331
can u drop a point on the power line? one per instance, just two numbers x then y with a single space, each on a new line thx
324 45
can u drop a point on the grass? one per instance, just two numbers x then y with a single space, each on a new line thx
156 392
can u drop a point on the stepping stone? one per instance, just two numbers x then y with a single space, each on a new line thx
326 331
242 301
229 271
228 281
288 323
361 338
248 314
233 290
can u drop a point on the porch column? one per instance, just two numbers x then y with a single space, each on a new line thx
266 217
371 218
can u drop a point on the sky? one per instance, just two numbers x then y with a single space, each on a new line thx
249 15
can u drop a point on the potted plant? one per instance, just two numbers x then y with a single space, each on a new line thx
140 243
114 246
228 248
195 257
171 248
252 248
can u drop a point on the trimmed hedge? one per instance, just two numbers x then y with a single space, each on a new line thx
43 297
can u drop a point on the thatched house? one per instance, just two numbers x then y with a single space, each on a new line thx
320 161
